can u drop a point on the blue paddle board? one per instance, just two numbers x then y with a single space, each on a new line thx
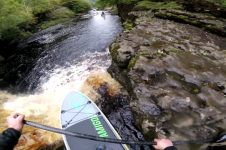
80 114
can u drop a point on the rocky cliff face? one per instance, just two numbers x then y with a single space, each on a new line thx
175 74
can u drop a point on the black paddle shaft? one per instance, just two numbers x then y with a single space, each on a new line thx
118 141
85 136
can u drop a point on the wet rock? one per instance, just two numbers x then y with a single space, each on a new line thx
206 22
205 6
120 115
176 81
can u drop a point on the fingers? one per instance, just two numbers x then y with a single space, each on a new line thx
20 117
156 142
15 120
16 116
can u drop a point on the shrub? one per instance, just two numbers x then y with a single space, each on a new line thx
77 6
40 6
17 16
13 14
58 15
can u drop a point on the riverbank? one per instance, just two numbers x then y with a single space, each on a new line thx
174 72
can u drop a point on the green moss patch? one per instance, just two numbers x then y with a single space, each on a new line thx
114 50
132 62
128 25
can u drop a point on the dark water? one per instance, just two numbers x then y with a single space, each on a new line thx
68 45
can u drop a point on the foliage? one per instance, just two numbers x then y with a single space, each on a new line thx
16 16
222 3
147 5
61 12
58 15
78 6
105 3
40 6
12 14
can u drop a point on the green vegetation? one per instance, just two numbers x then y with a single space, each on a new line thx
128 25
221 2
105 3
58 15
114 51
78 6
149 5
40 6
13 14
132 62
140 5
18 17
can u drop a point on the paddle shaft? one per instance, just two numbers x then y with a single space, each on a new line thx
118 141
85 136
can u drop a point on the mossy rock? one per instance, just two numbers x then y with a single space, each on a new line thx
132 62
114 50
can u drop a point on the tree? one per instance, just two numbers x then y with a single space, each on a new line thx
13 14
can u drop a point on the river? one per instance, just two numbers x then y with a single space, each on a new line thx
71 53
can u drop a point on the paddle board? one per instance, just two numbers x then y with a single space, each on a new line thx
80 114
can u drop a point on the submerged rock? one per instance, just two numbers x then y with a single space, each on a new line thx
175 75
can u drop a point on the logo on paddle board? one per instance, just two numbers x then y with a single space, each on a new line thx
99 127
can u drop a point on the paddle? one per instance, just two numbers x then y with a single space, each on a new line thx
119 141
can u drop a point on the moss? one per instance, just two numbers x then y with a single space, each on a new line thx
144 53
132 62
149 5
196 91
158 44
114 50
128 25
223 3
173 50
220 2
